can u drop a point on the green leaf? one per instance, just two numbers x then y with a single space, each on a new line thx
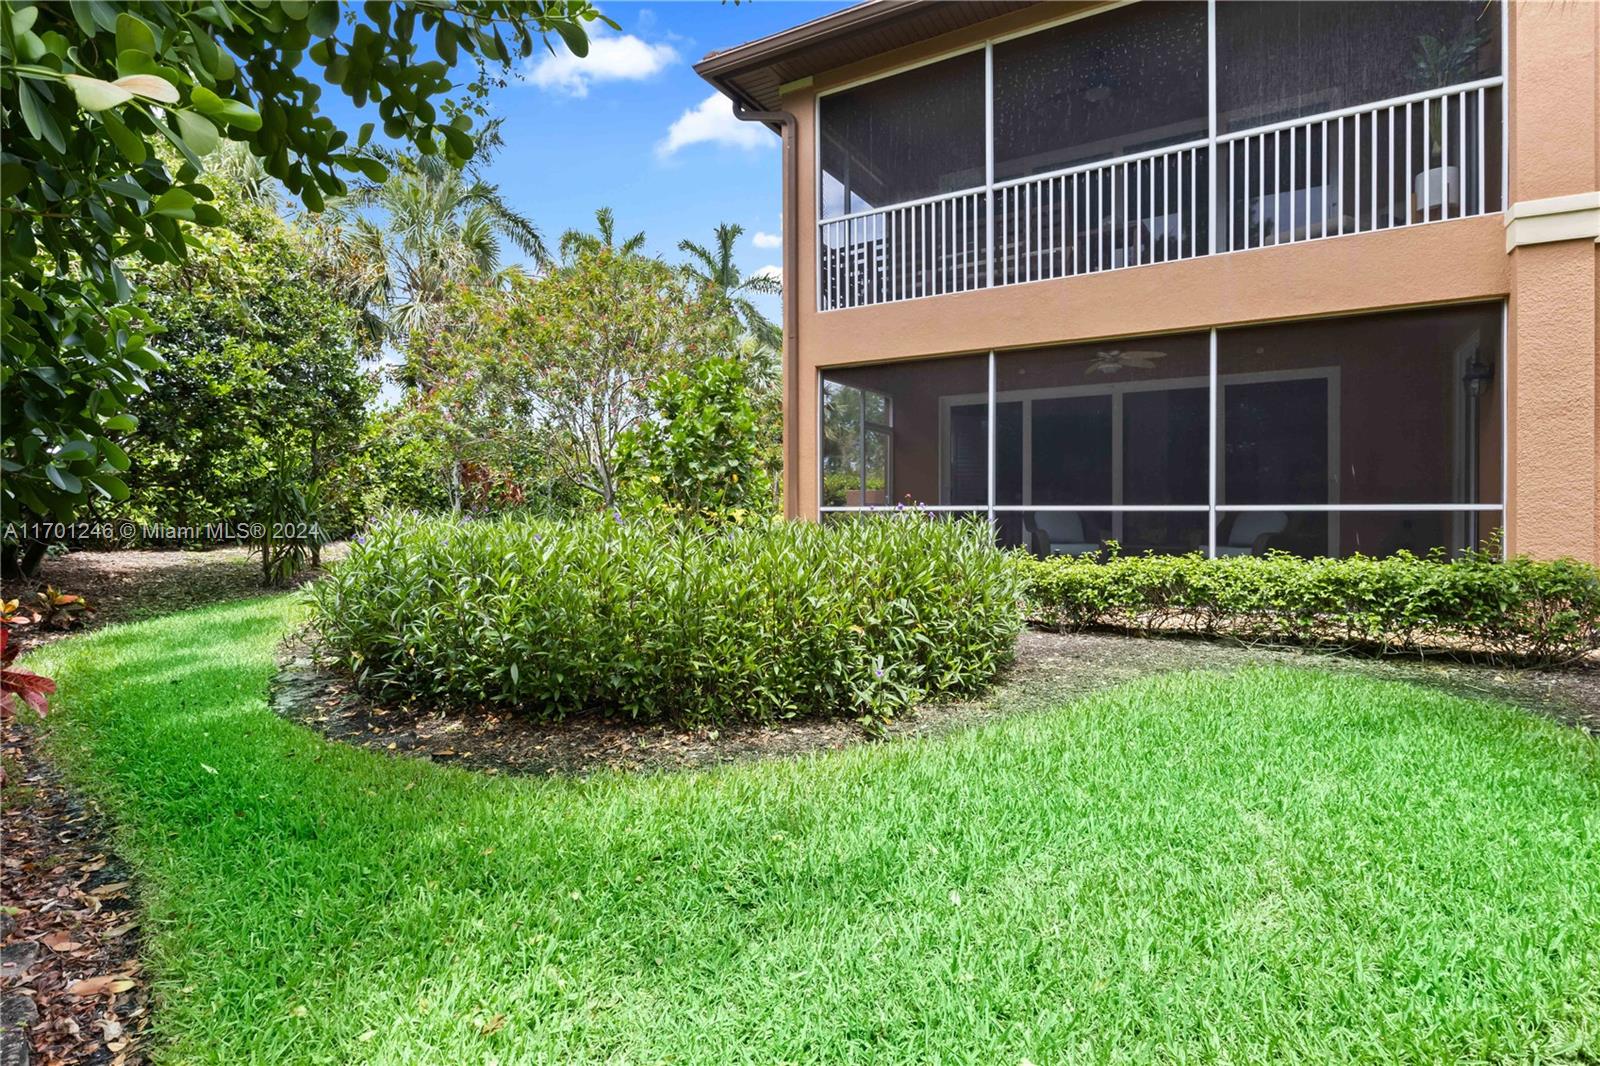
123 423
218 63
133 35
14 177
74 450
205 101
23 18
113 453
198 132
324 18
36 115
130 144
240 115
576 40
65 480
174 203
110 484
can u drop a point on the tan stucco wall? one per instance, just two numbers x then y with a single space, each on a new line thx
1552 291
1553 327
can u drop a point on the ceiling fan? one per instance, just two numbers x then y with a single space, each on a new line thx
1115 359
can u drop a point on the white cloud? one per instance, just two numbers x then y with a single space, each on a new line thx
711 121
766 240
771 270
611 57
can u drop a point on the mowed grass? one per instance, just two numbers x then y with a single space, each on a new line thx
1269 866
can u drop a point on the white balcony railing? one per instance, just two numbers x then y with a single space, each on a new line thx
1413 159
1426 157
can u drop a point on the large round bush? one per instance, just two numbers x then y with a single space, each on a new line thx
655 619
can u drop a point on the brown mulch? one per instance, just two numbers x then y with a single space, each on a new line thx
69 906
70 977
1051 668
494 741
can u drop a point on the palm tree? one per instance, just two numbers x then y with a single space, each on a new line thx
717 269
402 243
605 238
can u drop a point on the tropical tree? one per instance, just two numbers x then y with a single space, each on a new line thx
403 243
604 238
263 372
563 365
714 266
87 93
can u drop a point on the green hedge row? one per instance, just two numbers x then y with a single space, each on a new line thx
1517 610
652 619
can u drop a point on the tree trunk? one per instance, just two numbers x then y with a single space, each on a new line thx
22 560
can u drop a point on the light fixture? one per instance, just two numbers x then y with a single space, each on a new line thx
1477 375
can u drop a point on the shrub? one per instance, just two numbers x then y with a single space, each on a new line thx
1516 610
652 618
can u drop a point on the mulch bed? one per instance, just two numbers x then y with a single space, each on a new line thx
1050 669
70 907
71 987
494 741
126 586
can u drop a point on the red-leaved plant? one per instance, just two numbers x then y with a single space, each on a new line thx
30 687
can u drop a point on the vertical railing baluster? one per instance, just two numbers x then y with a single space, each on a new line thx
1194 219
1427 158
1294 192
1373 114
1461 155
1261 190
1407 170
1483 156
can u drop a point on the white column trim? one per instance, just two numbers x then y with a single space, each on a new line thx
1555 218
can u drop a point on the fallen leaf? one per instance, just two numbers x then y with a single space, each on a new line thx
208 769
368 1035
61 940
110 1028
103 984
493 1025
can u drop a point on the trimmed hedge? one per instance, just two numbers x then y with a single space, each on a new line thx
653 619
1517 610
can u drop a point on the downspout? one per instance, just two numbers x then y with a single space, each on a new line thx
791 303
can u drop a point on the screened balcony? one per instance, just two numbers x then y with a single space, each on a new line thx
1371 434
1158 131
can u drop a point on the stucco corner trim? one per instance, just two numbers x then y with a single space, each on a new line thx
1556 218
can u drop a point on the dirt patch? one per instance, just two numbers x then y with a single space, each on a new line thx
126 586
71 987
1055 666
1050 669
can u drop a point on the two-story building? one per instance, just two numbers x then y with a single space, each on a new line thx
1230 276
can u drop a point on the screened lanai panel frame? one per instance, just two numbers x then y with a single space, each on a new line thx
1314 176
1468 515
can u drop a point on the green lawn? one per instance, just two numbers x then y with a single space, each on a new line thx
1275 865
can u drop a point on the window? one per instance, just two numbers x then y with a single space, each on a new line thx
1371 434
1122 82
904 137
887 437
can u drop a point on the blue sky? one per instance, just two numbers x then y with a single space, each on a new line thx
632 127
